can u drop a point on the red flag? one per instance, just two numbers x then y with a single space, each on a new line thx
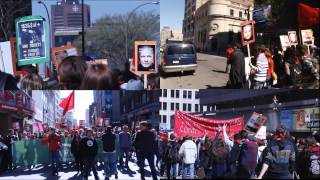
308 16
67 103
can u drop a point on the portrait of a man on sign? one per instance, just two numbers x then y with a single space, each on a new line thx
307 37
247 33
292 35
145 56
59 53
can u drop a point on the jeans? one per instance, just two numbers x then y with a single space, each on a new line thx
188 171
258 85
172 169
124 151
55 160
89 164
150 158
110 163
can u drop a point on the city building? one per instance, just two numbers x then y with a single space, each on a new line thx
286 107
213 24
16 111
186 100
136 106
66 20
170 35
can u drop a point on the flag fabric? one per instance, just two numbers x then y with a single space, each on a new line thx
67 103
307 15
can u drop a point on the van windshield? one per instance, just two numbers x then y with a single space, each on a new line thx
180 50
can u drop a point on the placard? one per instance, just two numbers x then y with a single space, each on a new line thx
293 40
262 133
255 122
59 53
306 119
307 37
247 32
145 57
32 41
285 43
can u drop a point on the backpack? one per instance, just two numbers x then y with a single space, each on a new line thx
314 167
173 152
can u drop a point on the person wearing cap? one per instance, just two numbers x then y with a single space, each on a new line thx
261 69
54 141
89 151
280 158
144 143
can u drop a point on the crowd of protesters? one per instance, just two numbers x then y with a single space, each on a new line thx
296 67
242 156
74 74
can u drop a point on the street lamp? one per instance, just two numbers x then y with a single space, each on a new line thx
127 23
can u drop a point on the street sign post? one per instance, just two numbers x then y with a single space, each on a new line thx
32 40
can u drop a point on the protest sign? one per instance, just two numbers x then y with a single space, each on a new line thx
189 125
59 53
262 133
247 33
32 40
255 122
307 37
285 43
145 57
292 36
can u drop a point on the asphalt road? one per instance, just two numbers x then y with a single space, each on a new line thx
209 74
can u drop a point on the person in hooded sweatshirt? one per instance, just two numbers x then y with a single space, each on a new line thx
280 157
89 152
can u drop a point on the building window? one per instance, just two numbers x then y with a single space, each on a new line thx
189 107
184 94
231 12
240 14
184 108
177 94
164 120
164 106
164 93
172 106
177 106
189 94
197 94
201 108
196 108
172 93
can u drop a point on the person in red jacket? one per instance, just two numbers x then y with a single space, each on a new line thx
54 141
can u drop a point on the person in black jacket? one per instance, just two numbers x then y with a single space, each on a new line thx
9 141
89 151
172 157
109 153
237 77
144 143
75 150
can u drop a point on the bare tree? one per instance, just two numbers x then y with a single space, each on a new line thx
9 11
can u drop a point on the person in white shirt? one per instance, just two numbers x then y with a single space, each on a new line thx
188 153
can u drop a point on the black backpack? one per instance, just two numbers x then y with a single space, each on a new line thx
173 152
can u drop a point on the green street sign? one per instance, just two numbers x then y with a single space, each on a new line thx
32 40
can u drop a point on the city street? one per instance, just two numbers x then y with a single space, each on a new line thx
210 73
69 173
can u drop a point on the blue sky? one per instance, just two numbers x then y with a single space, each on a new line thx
172 13
100 8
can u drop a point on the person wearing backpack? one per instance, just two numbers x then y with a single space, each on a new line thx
172 157
109 153
280 156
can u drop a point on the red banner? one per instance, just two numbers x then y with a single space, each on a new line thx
190 125
307 15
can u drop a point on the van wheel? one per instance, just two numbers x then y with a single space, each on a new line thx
192 72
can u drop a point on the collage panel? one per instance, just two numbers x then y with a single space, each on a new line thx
79 44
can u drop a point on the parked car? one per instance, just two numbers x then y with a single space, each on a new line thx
178 57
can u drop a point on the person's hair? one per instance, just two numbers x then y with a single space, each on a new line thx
243 134
153 81
219 150
237 45
98 77
236 136
32 82
146 124
268 53
71 70
10 130
261 48
172 136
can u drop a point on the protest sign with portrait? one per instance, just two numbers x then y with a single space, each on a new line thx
145 57
285 43
293 40
59 53
307 37
255 122
247 33
32 40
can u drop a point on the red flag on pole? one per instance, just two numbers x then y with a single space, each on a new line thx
307 15
67 103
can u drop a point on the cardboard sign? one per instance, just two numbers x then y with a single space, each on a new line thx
262 133
6 63
307 37
285 43
32 40
145 57
255 122
59 53
293 40
247 33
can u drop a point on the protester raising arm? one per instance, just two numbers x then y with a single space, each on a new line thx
226 137
263 170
